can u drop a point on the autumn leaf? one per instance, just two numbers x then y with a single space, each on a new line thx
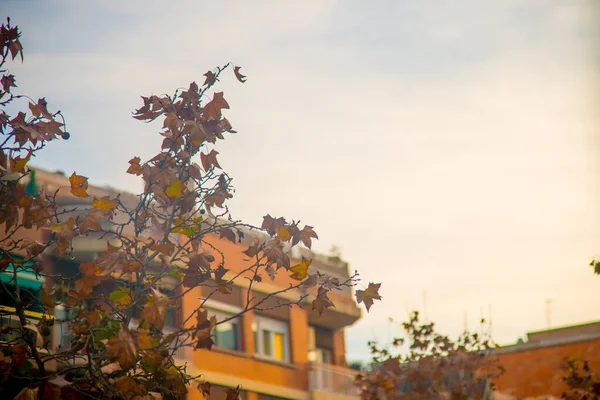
18 163
210 78
283 233
212 109
121 296
144 339
321 302
233 394
209 160
91 221
105 204
204 326
305 235
227 233
174 189
79 185
134 167
271 224
204 388
368 295
300 271
122 346
238 75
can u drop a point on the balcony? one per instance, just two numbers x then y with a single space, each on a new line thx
328 381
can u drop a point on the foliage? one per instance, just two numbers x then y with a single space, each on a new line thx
582 382
167 236
432 367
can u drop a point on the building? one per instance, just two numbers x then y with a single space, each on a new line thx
281 353
534 367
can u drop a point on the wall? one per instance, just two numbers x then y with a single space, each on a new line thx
536 370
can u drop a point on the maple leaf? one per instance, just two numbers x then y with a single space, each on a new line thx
122 346
238 75
105 204
144 339
204 326
304 236
311 281
90 221
18 163
321 302
228 234
134 167
79 185
7 81
368 295
210 78
209 160
283 233
212 109
300 271
174 189
252 250
271 224
204 388
233 394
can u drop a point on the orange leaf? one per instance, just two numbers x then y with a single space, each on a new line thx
283 233
134 168
105 204
79 185
174 189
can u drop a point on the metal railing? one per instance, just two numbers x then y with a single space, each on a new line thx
328 378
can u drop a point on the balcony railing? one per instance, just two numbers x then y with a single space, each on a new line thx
332 379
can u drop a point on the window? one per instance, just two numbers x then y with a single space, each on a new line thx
271 338
226 334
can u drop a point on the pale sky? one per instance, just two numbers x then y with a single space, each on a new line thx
447 147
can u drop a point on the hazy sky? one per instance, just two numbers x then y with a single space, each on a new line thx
450 147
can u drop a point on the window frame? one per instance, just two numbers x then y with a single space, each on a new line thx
262 324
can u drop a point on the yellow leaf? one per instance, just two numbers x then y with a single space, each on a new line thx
174 189
300 271
18 164
105 204
144 338
79 185
283 233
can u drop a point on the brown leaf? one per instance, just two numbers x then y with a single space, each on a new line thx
238 75
304 236
271 224
368 295
204 388
79 185
90 221
212 109
210 78
209 160
321 302
228 234
122 346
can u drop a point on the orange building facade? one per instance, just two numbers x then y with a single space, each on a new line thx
276 353
534 368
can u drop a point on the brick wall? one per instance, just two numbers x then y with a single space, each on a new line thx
535 370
